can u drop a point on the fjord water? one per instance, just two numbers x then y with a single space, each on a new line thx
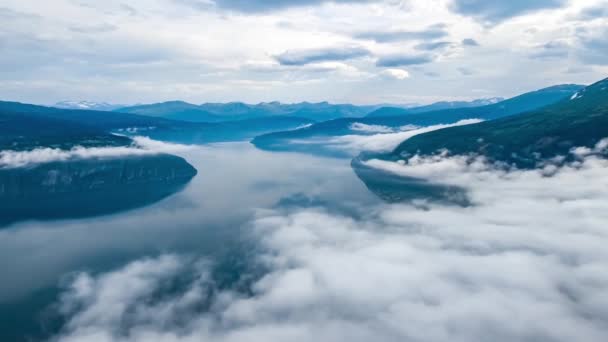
297 244
209 218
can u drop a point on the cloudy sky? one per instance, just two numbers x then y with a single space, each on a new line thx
358 51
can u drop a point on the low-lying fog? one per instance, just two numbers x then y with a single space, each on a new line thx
290 247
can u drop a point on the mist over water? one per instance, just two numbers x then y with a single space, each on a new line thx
210 217
293 247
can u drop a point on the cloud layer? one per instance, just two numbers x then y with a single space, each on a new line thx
403 60
203 50
303 57
387 139
523 263
141 146
430 33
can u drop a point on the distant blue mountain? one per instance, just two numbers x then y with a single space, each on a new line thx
32 126
238 130
397 111
87 105
338 127
218 112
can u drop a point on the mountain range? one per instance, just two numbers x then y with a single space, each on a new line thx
552 125
322 111
527 140
218 112
26 126
87 105
397 111
339 127
232 111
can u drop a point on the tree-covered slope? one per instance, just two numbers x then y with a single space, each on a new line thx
525 139
19 131
91 118
89 187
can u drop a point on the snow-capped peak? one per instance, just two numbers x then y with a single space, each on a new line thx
86 105
489 101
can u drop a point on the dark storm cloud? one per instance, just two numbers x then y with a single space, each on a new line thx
259 5
403 60
303 57
434 32
497 11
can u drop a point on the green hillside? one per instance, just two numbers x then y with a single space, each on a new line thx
526 139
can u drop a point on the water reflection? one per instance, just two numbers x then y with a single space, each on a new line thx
208 217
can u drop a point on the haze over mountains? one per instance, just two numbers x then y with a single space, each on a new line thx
30 126
272 125
217 112
389 110
398 118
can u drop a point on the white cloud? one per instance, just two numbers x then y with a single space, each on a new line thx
141 146
524 263
361 127
385 141
154 51
398 74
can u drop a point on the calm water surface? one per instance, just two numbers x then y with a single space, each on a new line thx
209 217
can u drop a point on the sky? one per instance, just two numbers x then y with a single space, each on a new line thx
343 51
